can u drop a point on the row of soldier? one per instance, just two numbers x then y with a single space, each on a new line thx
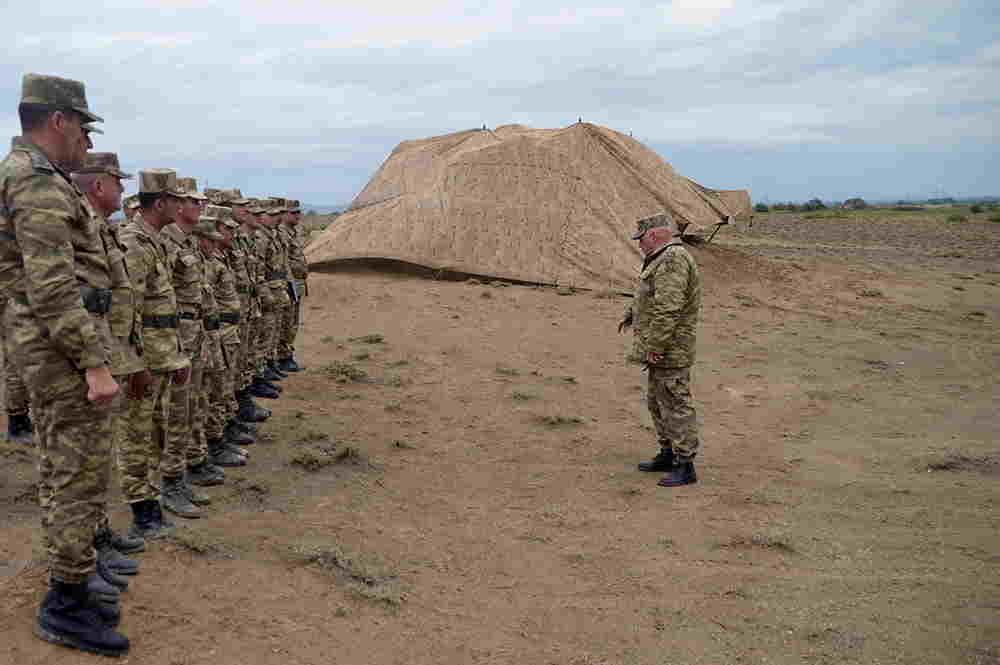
190 305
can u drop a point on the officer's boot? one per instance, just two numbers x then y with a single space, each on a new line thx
220 455
175 498
682 474
69 616
206 474
20 428
664 461
112 558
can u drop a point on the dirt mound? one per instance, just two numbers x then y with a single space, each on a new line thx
549 206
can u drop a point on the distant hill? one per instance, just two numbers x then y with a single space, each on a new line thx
325 209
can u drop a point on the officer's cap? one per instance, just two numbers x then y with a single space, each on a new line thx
56 93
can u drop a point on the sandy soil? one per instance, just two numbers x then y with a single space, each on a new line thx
473 497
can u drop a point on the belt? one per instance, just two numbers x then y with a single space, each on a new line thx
160 321
95 301
189 316
275 274
211 322
230 317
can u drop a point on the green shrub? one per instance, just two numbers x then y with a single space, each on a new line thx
761 207
975 209
955 217
995 218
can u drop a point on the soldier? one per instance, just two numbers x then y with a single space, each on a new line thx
20 429
273 294
100 180
295 243
146 447
55 270
246 261
665 315
130 206
222 299
184 425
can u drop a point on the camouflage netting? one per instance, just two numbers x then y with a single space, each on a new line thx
551 206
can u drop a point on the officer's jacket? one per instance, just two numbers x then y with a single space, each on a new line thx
666 306
148 268
52 263
188 276
124 319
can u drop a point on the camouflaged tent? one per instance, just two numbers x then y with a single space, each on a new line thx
550 206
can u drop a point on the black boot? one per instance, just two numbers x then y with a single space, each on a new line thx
20 428
270 374
176 500
249 428
160 518
147 521
112 558
119 582
222 456
127 544
194 496
206 474
236 434
69 616
261 388
288 365
664 461
277 370
102 590
682 474
249 411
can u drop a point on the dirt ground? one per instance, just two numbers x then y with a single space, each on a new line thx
453 479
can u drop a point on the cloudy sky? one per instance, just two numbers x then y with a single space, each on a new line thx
789 98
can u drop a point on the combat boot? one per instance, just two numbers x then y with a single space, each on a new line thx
222 456
125 543
682 474
20 429
119 582
249 428
111 557
664 461
261 388
176 500
69 616
102 590
269 374
206 474
160 518
236 434
195 497
288 365
248 409
147 520
277 370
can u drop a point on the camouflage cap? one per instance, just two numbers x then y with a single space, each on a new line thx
237 197
103 162
159 181
90 129
189 189
131 202
221 215
647 223
205 228
57 93
293 206
215 196
275 205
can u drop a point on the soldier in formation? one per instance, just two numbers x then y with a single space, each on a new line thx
141 343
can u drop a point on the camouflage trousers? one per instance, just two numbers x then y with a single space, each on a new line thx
145 447
119 412
290 319
243 360
15 392
266 339
74 471
191 434
668 396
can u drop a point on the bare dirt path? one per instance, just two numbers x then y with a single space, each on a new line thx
473 498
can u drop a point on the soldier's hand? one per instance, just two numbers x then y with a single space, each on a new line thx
101 386
654 358
625 322
138 383
181 376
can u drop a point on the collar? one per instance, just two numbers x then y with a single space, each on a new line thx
652 257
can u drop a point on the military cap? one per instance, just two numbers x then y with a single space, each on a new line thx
295 206
132 201
56 93
221 215
216 196
275 206
206 228
647 223
103 162
236 197
159 181
189 189
90 129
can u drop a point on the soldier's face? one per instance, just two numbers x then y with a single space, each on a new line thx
189 211
69 124
111 188
227 237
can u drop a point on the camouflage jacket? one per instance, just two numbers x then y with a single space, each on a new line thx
50 249
148 268
124 319
242 260
275 259
212 340
226 297
188 276
666 306
296 256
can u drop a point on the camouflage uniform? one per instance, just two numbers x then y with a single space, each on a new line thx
221 404
273 294
15 392
146 448
53 264
665 315
242 258
299 268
